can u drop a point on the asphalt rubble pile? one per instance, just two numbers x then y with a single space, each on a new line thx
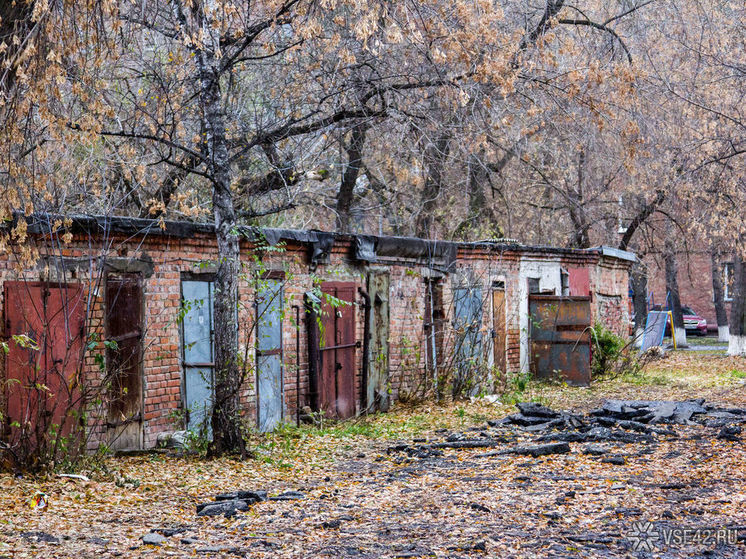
228 504
616 421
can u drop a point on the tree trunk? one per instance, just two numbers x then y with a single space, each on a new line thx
719 297
647 210
226 418
672 287
349 176
639 280
481 219
737 341
435 156
578 217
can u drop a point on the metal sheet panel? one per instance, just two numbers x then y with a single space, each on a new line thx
198 354
467 303
269 354
580 282
197 322
337 393
65 317
269 315
43 364
198 398
24 317
345 352
550 314
269 388
565 361
434 325
560 340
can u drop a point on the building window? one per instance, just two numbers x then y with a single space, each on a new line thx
534 285
728 280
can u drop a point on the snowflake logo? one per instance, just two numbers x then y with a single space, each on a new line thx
643 535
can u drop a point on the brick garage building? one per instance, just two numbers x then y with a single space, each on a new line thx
116 313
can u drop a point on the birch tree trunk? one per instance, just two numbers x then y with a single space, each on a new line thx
737 341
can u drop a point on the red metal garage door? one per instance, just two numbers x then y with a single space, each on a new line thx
44 329
337 395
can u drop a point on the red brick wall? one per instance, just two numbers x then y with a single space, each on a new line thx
695 283
610 296
169 257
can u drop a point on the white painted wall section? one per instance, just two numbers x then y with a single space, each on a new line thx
549 279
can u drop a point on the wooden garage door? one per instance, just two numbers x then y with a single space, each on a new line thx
124 360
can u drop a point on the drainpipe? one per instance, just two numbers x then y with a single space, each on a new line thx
309 300
297 365
366 348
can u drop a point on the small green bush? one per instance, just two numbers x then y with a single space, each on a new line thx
607 349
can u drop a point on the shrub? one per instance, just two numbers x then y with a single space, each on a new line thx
606 351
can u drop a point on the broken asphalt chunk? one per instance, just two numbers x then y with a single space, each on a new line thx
153 538
595 450
288 496
39 536
249 496
531 450
534 409
227 508
540 450
730 433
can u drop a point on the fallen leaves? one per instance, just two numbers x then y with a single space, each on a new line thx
393 505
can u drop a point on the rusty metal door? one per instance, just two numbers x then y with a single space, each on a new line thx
378 359
560 338
500 333
124 360
467 308
198 354
434 325
269 354
44 329
337 374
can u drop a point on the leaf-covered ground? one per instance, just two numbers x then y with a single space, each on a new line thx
364 502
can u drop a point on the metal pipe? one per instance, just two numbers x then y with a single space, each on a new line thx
297 365
366 350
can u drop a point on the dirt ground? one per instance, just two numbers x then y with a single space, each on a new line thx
361 500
